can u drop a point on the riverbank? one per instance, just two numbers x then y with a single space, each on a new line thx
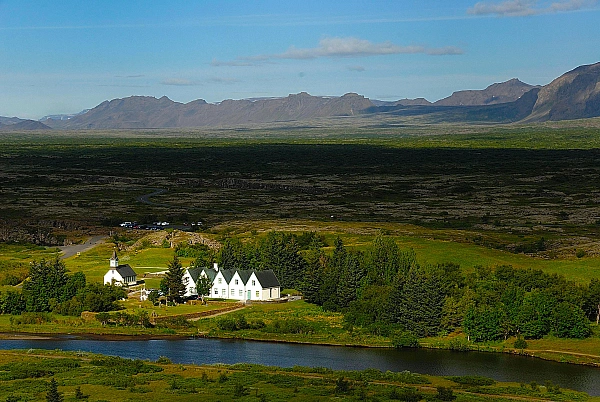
84 373
294 323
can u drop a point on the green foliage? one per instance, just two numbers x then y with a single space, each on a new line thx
240 390
46 282
569 321
472 380
342 386
238 323
290 326
405 339
172 284
406 394
445 394
125 366
53 395
12 302
520 343
201 251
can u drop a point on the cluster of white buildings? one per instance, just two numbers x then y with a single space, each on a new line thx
237 284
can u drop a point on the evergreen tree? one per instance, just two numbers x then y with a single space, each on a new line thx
313 278
417 301
172 284
233 255
53 395
350 279
45 282
280 252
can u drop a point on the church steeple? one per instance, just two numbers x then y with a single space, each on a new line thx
114 260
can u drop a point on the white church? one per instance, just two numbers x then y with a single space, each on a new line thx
121 275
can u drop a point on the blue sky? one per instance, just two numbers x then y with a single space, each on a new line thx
65 56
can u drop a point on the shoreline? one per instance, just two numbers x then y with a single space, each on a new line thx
146 337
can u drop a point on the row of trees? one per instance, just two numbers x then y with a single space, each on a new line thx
384 288
49 287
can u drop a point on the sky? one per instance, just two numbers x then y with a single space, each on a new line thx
69 55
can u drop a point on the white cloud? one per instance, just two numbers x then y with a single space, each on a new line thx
520 8
182 82
359 69
223 80
339 48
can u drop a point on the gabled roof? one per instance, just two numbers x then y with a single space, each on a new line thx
195 273
245 275
125 270
210 273
267 279
228 274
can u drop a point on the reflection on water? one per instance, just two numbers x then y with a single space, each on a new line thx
501 367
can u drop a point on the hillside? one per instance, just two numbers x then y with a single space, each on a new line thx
15 124
574 95
149 112
503 92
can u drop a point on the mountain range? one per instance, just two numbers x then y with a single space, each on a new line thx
574 95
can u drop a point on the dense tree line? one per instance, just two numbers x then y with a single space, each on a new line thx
49 287
384 289
281 252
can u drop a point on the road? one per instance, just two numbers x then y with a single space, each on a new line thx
69 251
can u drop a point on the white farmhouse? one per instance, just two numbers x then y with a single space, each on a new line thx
247 284
122 275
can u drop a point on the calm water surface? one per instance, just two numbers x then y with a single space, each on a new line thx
501 367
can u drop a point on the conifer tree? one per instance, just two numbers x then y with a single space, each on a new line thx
53 395
172 284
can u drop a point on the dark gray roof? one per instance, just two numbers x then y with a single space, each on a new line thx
195 273
125 270
245 274
228 274
211 273
267 279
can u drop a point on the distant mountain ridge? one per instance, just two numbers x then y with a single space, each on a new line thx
16 124
149 112
574 95
503 92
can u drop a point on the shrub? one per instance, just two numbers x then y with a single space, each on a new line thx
445 394
472 380
405 339
520 343
290 326
405 394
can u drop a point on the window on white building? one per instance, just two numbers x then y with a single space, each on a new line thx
220 280
257 293
241 292
216 291
236 282
253 283
232 292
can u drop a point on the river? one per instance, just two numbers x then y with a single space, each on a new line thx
501 367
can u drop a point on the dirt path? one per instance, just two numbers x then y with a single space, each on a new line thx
69 251
217 314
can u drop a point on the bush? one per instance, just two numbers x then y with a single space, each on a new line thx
405 339
290 326
405 394
445 394
520 343
472 380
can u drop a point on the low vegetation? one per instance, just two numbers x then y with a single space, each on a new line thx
39 375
